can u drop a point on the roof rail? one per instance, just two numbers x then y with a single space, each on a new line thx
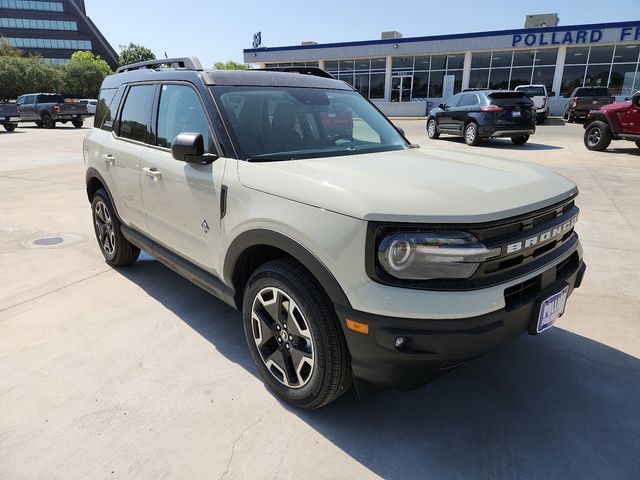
315 71
184 63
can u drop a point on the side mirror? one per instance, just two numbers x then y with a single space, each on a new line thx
442 106
188 147
552 94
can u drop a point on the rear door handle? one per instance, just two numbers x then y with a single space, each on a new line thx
152 172
109 159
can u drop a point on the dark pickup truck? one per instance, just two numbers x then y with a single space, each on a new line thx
45 109
9 116
585 99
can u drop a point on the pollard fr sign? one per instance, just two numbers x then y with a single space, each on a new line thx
570 37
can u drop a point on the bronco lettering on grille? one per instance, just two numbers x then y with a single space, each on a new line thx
542 237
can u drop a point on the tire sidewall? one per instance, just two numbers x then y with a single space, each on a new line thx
306 394
104 198
604 140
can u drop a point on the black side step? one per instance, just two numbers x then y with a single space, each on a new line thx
188 270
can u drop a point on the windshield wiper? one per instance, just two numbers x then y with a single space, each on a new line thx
268 157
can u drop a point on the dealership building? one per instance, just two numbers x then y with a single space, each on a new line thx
401 74
53 30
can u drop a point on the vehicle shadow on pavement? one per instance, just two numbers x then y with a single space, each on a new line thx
556 406
504 144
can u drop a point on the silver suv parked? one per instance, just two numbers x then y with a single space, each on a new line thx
351 253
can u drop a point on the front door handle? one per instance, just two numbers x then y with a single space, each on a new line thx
152 172
109 159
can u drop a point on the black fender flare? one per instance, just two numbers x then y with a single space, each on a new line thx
290 246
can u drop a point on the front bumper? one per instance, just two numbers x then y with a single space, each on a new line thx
433 346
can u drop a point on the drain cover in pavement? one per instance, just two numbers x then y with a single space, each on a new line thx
54 241
48 241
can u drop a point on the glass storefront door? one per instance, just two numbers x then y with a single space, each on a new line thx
401 88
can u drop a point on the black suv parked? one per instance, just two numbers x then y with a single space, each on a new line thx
482 114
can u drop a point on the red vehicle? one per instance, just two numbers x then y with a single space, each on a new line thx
618 121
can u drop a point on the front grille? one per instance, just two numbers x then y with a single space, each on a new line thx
523 292
511 262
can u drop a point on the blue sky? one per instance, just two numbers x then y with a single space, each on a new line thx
215 31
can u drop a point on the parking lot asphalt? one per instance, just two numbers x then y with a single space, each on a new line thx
137 373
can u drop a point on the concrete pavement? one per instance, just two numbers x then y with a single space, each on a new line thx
136 373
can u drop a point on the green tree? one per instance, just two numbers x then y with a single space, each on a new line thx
134 53
20 75
230 65
8 50
83 75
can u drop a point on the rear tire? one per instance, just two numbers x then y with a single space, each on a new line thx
597 136
38 124
520 139
432 129
294 336
471 135
9 127
540 120
47 121
116 249
78 123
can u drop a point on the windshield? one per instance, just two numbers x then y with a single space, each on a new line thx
287 123
532 91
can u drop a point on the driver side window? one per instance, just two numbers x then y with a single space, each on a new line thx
180 111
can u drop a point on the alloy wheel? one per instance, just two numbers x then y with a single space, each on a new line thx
594 136
104 228
470 133
282 337
432 128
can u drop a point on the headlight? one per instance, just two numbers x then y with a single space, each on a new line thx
432 255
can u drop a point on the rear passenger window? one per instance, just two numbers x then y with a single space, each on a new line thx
134 121
469 99
180 111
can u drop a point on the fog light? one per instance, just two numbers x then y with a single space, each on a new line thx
399 342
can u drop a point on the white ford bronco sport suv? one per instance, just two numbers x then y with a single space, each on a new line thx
351 253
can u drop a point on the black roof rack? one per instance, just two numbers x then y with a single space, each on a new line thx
315 71
184 63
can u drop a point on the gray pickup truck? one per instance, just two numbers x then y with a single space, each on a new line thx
46 109
9 116
585 99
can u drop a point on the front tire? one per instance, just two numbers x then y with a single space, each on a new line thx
520 139
10 127
471 135
294 336
597 136
116 249
432 129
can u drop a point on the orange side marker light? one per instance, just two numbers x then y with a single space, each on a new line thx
358 327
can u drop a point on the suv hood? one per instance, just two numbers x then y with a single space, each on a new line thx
612 107
415 185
